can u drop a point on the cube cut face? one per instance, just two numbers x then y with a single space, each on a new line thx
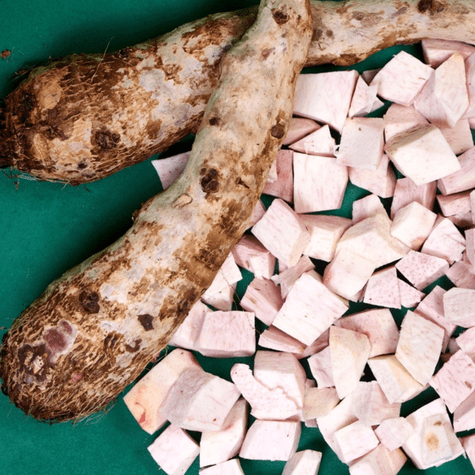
436 51
305 462
399 118
230 467
364 99
463 179
458 307
382 289
251 255
321 368
319 142
283 187
406 191
393 432
298 129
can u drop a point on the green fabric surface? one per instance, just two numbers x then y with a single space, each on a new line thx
47 228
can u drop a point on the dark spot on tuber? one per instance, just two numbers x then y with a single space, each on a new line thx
317 34
124 53
209 180
135 348
55 339
89 301
146 321
358 16
242 183
106 139
278 131
35 361
82 165
279 16
214 121
430 6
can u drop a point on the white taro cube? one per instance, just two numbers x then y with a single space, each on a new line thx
433 441
188 332
381 181
378 325
462 274
393 432
230 467
459 137
410 296
456 203
299 128
455 381
325 231
266 403
275 339
463 179
470 244
402 78
354 441
320 365
466 342
464 415
325 97
287 278
319 142
271 440
468 443
436 51
309 310
369 74
459 307
406 191
169 169
422 154
379 461
364 99
347 273
227 334
282 233
257 213
419 346
318 402
319 183
224 444
174 450
362 142
382 289
444 98
283 187
366 207
199 401
305 462
470 72
412 224
401 118
262 297
395 381
349 352
251 255
146 397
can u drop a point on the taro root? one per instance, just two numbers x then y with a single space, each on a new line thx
95 329
85 117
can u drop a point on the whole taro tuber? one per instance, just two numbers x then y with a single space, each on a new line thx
94 330
85 117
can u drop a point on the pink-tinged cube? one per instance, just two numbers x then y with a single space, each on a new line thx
455 381
436 51
459 307
366 207
394 432
325 97
349 352
257 213
422 154
319 183
347 273
251 255
263 298
266 403
274 339
378 325
309 310
320 365
169 169
457 203
406 191
325 231
371 239
399 118
299 128
364 99
282 233
444 98
283 187
466 342
468 443
287 278
354 441
464 415
305 462
371 405
174 450
362 142
463 220
369 74
318 402
421 269
461 180
395 381
319 142
402 78
199 401
470 72
462 274
458 137
379 461
433 441
227 335
382 289
222 445
146 397
271 440
188 332
412 224
230 467
419 346
432 308
470 244
445 241
381 181
410 296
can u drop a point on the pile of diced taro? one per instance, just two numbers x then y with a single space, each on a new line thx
413 227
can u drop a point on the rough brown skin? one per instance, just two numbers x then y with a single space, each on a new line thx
86 117
93 331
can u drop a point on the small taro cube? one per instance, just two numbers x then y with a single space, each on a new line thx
306 462
393 432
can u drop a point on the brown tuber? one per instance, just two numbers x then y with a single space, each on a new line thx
94 330
83 118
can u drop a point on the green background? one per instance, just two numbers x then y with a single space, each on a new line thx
47 228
